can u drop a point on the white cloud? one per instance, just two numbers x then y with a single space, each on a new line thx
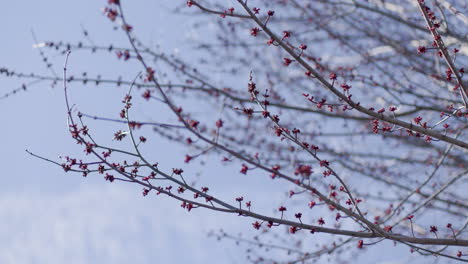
102 224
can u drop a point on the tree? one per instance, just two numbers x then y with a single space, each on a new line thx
356 110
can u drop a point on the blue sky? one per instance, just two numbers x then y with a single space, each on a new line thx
52 217
49 216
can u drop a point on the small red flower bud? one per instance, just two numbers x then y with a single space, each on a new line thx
244 169
177 171
127 27
360 244
254 31
417 120
147 94
287 61
257 225
293 229
321 221
421 49
219 123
